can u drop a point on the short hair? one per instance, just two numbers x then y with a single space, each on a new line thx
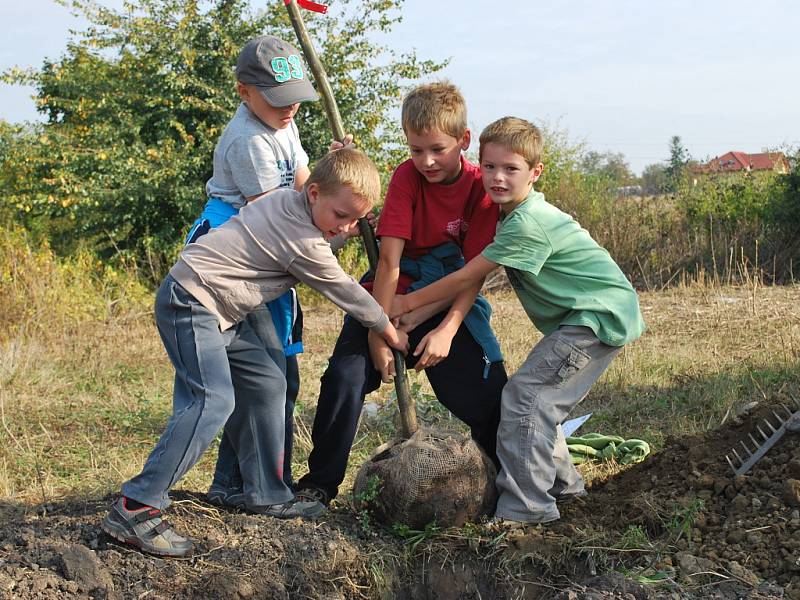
347 167
437 105
515 134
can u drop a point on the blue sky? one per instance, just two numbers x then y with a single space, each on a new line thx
622 76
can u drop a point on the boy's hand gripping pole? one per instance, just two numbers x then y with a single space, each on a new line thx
408 415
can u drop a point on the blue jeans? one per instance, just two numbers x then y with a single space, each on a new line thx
221 379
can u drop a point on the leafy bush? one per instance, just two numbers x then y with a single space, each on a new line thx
732 226
732 200
136 104
784 211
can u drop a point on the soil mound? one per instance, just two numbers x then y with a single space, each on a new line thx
718 526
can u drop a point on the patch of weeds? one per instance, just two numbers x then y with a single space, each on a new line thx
655 577
472 533
414 537
383 571
648 576
429 410
365 498
682 520
634 537
479 536
144 414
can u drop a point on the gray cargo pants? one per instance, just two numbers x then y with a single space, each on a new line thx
204 398
533 453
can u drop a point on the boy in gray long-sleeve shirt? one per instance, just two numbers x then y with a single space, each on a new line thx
256 256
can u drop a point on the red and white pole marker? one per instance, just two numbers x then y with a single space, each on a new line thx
309 5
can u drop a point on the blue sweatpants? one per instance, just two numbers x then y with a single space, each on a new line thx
227 475
207 396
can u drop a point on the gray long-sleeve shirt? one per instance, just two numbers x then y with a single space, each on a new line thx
263 251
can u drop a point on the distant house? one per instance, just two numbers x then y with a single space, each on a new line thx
735 162
630 190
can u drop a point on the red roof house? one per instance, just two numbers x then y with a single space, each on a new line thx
743 162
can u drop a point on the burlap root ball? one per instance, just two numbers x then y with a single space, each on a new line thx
434 476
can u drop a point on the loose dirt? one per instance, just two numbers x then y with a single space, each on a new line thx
678 525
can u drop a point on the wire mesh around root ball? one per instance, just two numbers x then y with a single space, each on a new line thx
434 476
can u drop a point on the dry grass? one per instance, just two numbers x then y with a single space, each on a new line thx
80 408
707 351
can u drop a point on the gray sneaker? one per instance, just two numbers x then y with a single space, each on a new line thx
145 529
226 498
500 523
290 510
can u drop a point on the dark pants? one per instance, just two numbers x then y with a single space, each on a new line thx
457 382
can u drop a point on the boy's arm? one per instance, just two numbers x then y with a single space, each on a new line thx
467 278
434 347
387 274
410 320
384 288
318 268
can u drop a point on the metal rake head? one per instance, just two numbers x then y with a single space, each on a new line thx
769 434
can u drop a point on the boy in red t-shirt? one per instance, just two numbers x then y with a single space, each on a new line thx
436 215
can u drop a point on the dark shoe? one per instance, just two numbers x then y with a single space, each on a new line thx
145 529
225 498
312 494
567 498
290 510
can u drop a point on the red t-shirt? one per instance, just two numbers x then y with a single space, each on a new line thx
427 215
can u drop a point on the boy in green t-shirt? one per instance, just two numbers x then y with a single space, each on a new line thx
574 293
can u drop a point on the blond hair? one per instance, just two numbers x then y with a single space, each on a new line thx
432 106
515 134
347 167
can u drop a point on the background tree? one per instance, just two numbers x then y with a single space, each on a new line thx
611 166
676 165
137 102
784 215
654 178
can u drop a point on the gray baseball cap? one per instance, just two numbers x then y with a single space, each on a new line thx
276 69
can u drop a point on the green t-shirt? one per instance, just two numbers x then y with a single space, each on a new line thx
562 276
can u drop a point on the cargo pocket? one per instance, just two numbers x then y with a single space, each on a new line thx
573 359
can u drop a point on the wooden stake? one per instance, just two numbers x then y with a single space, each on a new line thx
408 414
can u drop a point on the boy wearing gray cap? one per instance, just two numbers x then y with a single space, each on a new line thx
260 151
